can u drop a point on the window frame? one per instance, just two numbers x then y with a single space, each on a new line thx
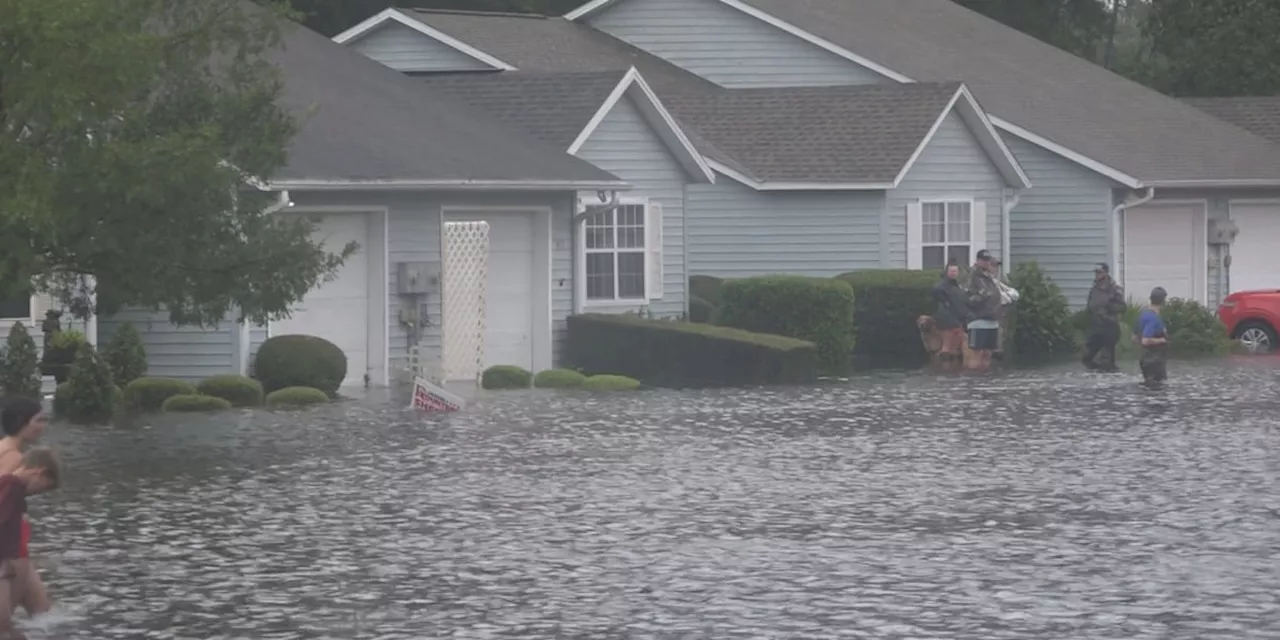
946 245
643 250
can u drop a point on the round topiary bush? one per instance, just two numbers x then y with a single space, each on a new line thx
90 396
293 397
149 394
300 361
610 383
240 391
126 355
506 376
558 379
194 403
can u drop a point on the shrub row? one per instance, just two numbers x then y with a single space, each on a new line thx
512 377
817 310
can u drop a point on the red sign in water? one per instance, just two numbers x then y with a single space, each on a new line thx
431 398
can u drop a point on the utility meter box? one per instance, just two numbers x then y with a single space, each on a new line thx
416 278
1222 231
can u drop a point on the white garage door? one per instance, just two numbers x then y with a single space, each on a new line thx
508 336
1255 255
1164 247
338 311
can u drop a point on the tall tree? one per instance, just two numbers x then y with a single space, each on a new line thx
127 129
1075 25
1216 47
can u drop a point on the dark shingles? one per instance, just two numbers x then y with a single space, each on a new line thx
1258 115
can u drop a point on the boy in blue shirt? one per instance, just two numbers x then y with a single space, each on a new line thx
1154 338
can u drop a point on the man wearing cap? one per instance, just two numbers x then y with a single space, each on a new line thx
1106 303
984 302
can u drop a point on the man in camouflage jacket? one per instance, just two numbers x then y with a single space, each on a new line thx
1106 303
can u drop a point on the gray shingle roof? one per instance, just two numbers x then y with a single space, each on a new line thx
362 121
1258 115
1039 87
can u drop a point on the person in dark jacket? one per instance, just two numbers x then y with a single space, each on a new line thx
985 308
1106 303
952 314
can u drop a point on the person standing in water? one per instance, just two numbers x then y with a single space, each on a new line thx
1154 338
984 302
38 471
1106 303
952 314
23 421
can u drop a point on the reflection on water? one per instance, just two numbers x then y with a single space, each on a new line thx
1046 504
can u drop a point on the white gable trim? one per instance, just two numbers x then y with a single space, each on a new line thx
634 86
972 115
1074 156
738 176
378 20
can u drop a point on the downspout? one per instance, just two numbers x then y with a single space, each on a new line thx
1006 245
1119 239
283 202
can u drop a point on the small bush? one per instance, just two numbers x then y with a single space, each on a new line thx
60 354
506 376
558 379
126 355
194 403
678 354
887 303
818 310
149 394
293 397
300 361
1041 318
20 367
610 383
240 391
1194 330
700 310
90 395
60 394
706 288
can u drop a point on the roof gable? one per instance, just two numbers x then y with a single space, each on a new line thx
392 15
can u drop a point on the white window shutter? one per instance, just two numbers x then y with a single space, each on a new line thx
978 229
653 249
915 236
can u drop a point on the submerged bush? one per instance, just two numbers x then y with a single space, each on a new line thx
193 403
887 303
300 361
506 376
149 394
240 391
610 383
90 395
1194 330
294 397
558 379
818 310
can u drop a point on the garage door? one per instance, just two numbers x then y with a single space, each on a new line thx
1164 246
1255 255
338 311
508 336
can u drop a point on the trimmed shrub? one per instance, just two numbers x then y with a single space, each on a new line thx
506 376
1041 320
558 379
61 353
300 361
60 394
700 310
20 367
194 403
818 310
89 396
1194 330
149 394
294 397
707 288
240 391
887 303
610 383
678 354
125 355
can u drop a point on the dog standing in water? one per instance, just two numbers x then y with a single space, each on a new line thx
38 472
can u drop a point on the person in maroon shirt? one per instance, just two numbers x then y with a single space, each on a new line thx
38 473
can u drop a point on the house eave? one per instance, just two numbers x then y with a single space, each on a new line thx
303 184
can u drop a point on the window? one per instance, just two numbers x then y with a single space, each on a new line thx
16 307
615 245
946 234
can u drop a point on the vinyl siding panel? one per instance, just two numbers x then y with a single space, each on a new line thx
727 46
735 231
404 49
625 145
186 353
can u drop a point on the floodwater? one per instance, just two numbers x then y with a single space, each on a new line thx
1049 504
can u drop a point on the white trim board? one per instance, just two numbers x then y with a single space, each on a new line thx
738 176
1074 156
634 85
376 21
308 184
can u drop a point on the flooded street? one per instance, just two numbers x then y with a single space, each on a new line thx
1044 504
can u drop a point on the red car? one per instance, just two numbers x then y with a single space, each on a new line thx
1253 318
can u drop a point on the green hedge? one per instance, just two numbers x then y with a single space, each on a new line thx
294 397
677 354
819 310
300 361
706 288
558 379
701 311
149 394
194 403
887 303
506 376
240 391
610 383
1041 318
1194 330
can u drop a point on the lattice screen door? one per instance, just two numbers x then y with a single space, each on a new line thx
466 272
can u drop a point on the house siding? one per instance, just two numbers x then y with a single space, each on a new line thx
625 145
735 231
186 353
952 165
726 46
404 49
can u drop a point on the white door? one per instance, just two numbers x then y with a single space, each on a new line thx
1164 246
508 333
1255 255
338 311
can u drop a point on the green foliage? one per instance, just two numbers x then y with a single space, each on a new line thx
707 288
60 394
61 353
91 396
300 361
678 354
20 367
818 310
1075 25
558 379
1215 47
887 303
610 383
1041 318
125 355
149 394
194 403
701 311
295 397
506 376
240 391
1194 330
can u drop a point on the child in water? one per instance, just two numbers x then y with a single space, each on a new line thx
38 472
1154 338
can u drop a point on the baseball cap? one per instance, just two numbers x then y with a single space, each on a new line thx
984 255
1102 266
1158 295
